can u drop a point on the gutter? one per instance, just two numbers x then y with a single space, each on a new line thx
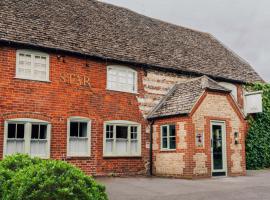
151 149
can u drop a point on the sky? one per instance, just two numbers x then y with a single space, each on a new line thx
242 25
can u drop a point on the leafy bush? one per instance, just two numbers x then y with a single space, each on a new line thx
22 177
258 138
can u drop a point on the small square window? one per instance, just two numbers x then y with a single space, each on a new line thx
168 140
121 78
32 65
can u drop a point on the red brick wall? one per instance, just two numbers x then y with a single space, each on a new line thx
55 101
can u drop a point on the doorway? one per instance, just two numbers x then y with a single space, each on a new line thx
218 148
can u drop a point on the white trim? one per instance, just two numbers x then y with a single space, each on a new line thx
115 123
128 69
168 137
33 54
232 87
28 122
89 124
224 146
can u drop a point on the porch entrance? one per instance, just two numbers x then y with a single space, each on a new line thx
218 148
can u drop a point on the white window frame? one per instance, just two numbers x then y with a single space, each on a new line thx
33 54
232 87
27 134
115 123
168 137
79 119
128 69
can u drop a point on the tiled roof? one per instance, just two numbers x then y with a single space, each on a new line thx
102 30
182 97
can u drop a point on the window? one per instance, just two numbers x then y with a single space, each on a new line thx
121 79
168 137
28 136
79 129
231 87
122 138
32 65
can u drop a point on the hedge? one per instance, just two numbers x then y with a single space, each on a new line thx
22 177
258 138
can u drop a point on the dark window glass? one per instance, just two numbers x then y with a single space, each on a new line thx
172 130
35 130
20 130
121 132
134 129
109 128
83 129
134 132
43 132
172 143
133 135
164 131
74 129
11 130
164 143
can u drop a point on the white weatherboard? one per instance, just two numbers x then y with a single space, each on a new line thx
253 102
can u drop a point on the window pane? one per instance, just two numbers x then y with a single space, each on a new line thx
134 146
121 79
172 130
109 145
172 143
164 143
78 146
43 132
83 129
121 132
133 132
35 131
38 148
121 146
20 130
74 129
164 131
11 130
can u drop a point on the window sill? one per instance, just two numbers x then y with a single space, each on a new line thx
167 150
29 79
114 90
78 157
119 156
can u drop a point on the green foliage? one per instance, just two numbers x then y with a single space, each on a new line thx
258 138
22 177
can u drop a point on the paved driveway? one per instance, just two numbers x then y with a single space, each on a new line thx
255 186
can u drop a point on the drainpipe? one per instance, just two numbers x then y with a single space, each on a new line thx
151 149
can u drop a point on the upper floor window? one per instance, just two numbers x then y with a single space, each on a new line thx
122 138
121 78
231 87
32 65
79 129
27 136
168 137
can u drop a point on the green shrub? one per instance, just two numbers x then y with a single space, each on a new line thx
258 137
36 179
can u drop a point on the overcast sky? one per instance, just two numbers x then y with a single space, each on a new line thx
243 25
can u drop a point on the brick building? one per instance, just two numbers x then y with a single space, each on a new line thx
116 92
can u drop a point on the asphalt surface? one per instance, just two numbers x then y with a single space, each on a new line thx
254 186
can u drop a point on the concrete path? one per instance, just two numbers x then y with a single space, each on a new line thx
254 186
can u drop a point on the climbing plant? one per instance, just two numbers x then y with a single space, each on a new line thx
258 138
